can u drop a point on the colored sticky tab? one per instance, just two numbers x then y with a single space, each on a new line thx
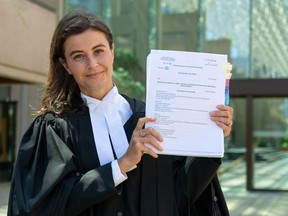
226 66
228 75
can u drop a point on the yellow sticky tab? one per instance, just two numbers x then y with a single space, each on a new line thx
228 75
227 66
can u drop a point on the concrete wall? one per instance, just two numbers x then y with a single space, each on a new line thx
25 33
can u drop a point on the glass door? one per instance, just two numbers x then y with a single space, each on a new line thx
7 138
270 143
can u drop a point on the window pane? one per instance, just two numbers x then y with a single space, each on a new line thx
269 39
226 27
87 5
270 137
177 25
179 6
129 24
4 92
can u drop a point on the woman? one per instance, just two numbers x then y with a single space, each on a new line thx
84 153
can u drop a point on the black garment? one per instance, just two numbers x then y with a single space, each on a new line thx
57 173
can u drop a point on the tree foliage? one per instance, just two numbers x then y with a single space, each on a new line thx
124 64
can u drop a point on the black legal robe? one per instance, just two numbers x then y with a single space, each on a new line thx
57 172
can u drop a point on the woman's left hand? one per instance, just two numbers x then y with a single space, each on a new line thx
223 118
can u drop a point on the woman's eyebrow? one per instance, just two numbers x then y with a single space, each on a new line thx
99 45
79 51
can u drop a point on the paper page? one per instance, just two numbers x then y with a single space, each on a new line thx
182 88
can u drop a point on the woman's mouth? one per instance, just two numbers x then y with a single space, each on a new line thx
94 74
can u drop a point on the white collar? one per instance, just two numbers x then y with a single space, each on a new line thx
110 97
108 117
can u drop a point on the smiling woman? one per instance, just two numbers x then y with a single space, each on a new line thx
84 153
89 59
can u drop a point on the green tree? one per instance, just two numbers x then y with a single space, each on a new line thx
125 64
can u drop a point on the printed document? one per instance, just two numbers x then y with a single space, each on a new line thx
182 88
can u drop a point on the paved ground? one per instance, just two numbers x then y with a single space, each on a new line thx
4 191
240 202
243 203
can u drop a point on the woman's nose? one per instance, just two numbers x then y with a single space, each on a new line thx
92 61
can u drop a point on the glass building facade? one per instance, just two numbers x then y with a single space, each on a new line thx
253 33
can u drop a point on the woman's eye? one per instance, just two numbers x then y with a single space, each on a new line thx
78 57
98 51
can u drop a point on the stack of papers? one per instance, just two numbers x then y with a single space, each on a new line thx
182 88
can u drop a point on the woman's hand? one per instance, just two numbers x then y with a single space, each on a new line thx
137 146
223 118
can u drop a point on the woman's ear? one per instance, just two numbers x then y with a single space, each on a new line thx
64 64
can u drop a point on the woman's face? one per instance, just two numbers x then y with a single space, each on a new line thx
89 60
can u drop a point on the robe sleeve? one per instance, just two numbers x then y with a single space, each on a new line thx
45 175
199 173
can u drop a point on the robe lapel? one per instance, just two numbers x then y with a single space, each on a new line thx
165 185
157 178
86 150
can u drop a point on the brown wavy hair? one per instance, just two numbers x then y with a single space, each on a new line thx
62 93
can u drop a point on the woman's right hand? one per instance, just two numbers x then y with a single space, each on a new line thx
137 147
